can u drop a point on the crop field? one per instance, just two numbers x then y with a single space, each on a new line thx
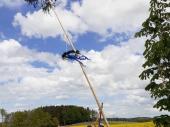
124 124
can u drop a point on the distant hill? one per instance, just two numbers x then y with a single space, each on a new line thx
136 119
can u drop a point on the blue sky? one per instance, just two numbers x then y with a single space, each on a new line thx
87 41
33 73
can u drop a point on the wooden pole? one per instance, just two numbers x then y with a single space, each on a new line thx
82 68
100 115
94 94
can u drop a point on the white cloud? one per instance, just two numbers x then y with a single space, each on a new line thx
113 71
113 15
104 17
11 3
38 24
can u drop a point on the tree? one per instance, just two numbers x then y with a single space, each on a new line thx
3 114
69 114
93 115
46 5
39 118
34 118
156 29
18 119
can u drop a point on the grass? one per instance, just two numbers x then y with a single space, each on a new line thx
124 124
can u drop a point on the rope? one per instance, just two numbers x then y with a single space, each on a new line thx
81 66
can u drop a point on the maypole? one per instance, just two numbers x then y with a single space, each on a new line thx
69 41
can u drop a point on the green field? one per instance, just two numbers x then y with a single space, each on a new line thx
124 124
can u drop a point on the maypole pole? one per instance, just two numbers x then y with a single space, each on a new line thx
81 66
94 95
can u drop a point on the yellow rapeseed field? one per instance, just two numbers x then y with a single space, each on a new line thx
143 124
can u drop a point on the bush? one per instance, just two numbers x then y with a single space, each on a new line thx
35 118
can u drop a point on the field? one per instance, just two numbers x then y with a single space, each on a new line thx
121 124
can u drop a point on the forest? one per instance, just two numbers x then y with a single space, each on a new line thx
49 116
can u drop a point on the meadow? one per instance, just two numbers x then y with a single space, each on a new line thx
124 124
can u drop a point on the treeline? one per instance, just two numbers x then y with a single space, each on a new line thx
70 114
34 118
137 119
49 116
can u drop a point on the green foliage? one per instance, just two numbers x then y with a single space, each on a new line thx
3 114
46 5
19 119
35 118
70 114
156 29
162 120
49 116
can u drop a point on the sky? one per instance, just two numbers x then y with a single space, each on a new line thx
32 73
